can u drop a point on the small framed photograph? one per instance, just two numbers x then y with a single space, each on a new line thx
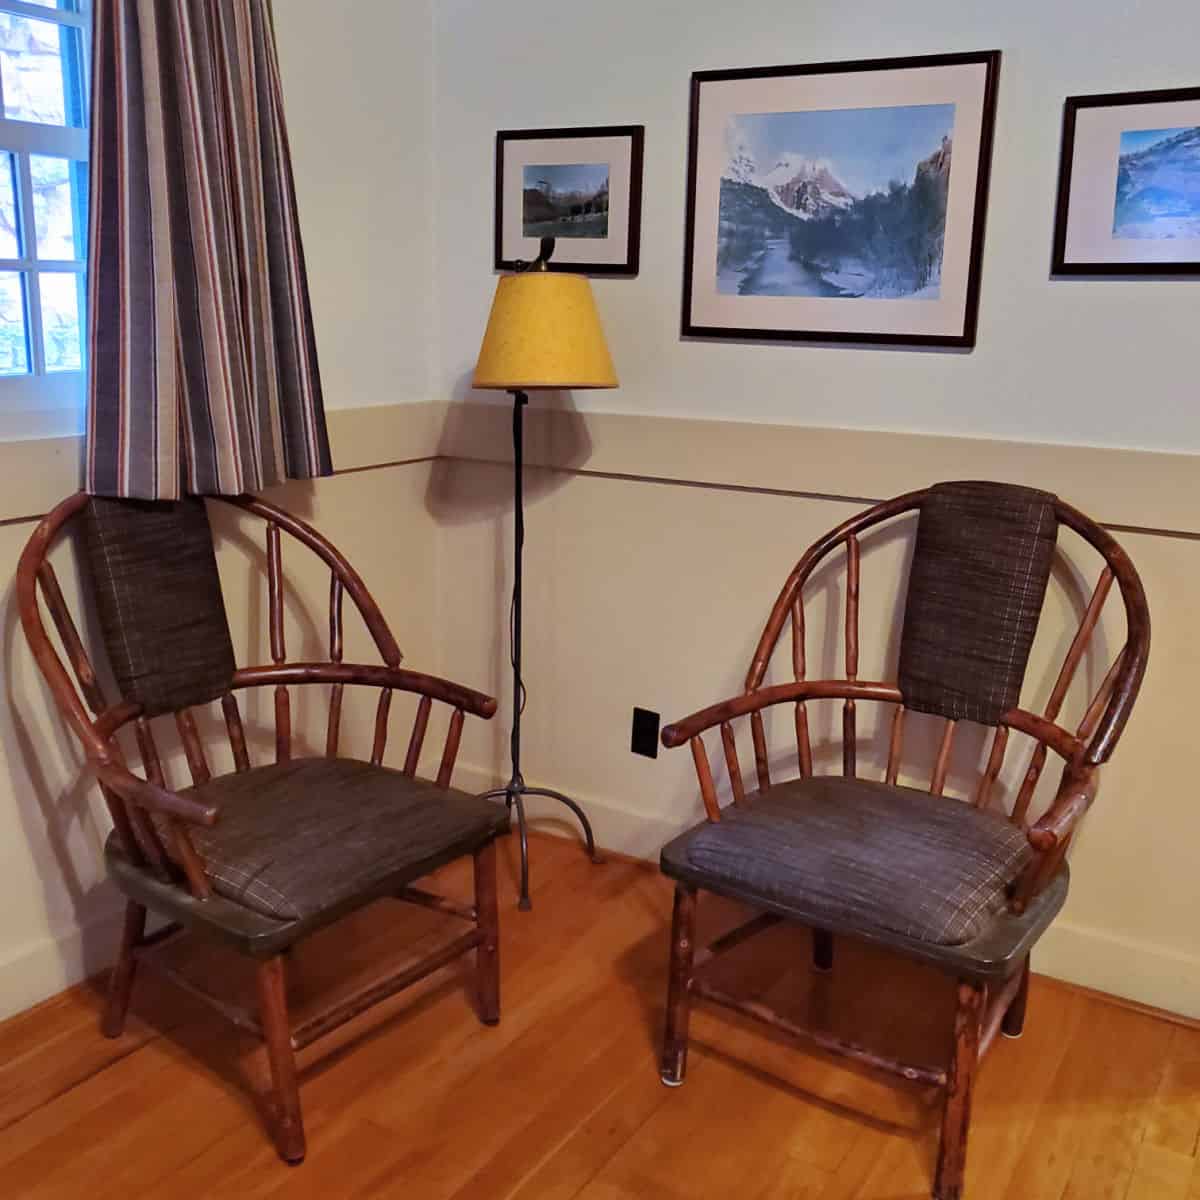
840 202
1129 185
580 186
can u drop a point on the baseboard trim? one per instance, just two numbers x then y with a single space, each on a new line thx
41 970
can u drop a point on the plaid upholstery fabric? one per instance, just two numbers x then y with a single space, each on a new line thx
158 597
866 855
295 839
979 575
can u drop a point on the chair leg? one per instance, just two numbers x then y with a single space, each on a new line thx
272 1004
487 920
1013 1024
679 996
822 950
120 983
956 1117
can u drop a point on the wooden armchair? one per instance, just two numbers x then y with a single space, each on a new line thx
955 884
260 857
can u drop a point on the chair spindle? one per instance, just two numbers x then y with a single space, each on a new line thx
381 726
192 747
708 792
283 725
81 664
335 618
450 751
1033 773
335 720
799 669
732 764
849 739
283 705
761 763
1066 674
237 735
1100 701
187 858
937 784
849 712
803 743
148 749
895 744
417 737
995 761
1079 644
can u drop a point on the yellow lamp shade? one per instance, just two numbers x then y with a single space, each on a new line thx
544 332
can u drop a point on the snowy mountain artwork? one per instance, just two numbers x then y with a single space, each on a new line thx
1158 184
838 203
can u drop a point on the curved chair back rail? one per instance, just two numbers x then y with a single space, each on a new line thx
96 720
1083 749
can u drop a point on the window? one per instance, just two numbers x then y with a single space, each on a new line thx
44 61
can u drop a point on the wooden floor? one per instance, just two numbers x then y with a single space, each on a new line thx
563 1099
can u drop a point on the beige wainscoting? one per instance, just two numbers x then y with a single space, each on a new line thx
655 548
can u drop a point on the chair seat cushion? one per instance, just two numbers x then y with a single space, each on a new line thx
866 855
298 838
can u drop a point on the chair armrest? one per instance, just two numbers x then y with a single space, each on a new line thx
155 799
688 727
1075 796
476 703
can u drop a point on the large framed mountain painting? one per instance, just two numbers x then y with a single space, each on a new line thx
1129 185
840 202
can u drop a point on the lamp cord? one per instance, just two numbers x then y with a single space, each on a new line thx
512 619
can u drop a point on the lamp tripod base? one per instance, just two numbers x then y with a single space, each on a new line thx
514 793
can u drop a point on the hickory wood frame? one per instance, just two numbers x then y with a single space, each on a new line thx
983 1008
132 800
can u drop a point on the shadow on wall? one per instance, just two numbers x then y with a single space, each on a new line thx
478 428
462 491
57 806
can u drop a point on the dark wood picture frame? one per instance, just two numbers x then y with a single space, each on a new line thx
1059 263
636 135
966 338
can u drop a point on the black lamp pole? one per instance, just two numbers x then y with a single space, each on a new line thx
516 789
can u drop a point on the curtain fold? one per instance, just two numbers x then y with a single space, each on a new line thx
202 365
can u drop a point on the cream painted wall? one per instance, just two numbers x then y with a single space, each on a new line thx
1104 362
357 85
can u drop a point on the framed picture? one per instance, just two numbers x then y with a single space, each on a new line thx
580 186
841 202
1129 185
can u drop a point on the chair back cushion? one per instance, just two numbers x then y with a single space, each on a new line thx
979 575
159 602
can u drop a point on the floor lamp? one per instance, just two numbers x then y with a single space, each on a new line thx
543 333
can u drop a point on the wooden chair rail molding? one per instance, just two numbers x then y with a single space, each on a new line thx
158 864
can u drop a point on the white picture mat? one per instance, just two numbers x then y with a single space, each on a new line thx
547 152
963 86
1094 185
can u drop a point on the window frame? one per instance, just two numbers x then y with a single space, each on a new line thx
41 403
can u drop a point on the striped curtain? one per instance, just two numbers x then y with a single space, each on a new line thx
202 363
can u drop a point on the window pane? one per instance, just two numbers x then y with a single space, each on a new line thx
59 205
60 320
42 71
14 344
10 241
66 5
